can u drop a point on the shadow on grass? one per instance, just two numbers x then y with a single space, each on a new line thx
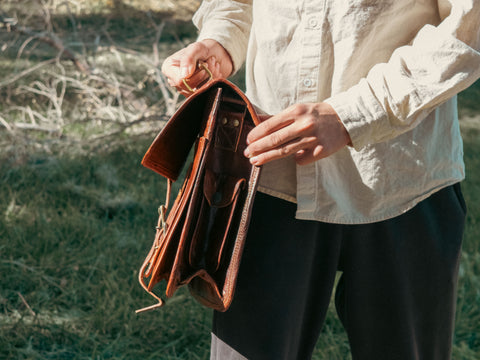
74 230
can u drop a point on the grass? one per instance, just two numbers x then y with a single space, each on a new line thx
74 229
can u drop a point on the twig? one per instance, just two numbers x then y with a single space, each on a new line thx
49 93
26 72
28 110
130 124
23 46
6 125
158 34
31 116
26 304
170 100
48 38
35 127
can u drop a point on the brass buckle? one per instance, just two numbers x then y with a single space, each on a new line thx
162 223
201 66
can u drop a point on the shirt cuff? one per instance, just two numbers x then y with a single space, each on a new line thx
361 114
232 38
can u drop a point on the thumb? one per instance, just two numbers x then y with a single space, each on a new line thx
193 53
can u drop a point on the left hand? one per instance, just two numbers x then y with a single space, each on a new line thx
183 64
310 131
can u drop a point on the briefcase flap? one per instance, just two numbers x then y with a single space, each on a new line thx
169 151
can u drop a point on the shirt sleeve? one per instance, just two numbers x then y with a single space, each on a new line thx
227 22
395 96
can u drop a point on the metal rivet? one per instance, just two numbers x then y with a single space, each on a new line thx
236 122
224 121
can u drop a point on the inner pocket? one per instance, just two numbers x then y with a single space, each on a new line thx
217 221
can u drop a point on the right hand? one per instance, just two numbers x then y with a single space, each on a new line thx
183 64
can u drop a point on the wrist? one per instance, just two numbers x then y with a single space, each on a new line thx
347 135
220 55
332 112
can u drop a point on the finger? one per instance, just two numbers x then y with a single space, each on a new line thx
304 157
171 69
287 149
183 63
307 156
213 66
274 133
191 55
184 86
268 126
193 81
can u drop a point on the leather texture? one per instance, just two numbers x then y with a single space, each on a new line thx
201 241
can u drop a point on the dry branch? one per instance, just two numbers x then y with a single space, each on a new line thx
104 100
26 72
26 304
6 125
47 37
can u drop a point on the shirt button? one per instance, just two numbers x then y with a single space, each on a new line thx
308 82
312 22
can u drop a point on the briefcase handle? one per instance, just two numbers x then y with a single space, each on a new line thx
200 67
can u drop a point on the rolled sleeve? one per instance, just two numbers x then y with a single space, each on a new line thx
395 96
228 23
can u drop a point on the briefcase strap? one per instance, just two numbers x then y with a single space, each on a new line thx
146 266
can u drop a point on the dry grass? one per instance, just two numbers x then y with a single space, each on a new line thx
86 72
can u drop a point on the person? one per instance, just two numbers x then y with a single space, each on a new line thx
362 159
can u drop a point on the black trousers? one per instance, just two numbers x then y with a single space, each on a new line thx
395 297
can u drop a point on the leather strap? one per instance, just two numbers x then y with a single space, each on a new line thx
146 268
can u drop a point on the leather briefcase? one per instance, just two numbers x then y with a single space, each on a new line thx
200 242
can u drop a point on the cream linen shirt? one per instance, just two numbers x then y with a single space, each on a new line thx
391 69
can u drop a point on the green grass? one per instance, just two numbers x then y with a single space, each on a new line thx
469 100
467 335
73 232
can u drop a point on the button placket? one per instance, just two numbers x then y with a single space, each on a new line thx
311 54
308 72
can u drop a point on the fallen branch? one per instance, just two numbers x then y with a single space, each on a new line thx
49 38
125 126
6 125
26 72
26 126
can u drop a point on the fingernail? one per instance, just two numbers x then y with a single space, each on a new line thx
246 153
254 160
184 72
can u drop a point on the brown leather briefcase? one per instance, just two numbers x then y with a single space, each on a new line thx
200 242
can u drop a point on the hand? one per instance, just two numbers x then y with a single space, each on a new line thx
183 64
309 131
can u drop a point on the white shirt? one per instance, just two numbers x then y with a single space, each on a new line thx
391 70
